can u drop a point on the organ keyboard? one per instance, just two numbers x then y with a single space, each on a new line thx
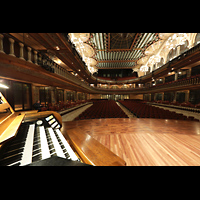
37 137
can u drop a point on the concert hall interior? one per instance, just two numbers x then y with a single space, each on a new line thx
99 99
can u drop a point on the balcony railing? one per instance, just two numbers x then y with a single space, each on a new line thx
13 47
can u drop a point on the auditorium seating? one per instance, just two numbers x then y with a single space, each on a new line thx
143 110
102 109
59 106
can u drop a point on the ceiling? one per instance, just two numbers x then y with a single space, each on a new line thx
111 50
120 50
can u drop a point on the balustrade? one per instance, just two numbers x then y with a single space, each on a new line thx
28 54
21 51
11 47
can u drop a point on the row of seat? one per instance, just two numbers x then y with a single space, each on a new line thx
102 109
183 104
63 106
143 110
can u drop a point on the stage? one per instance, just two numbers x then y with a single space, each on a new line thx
145 141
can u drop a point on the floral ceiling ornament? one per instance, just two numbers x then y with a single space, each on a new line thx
144 68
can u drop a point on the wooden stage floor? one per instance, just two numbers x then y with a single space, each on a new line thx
146 142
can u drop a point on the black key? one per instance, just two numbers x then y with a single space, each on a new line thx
11 159
37 157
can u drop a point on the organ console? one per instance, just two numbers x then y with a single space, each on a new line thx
27 138
32 138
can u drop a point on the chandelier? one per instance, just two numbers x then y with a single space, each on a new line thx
85 51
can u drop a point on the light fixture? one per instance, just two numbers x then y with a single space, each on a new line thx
57 48
3 86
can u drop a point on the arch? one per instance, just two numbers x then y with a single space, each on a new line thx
182 48
159 64
171 54
197 39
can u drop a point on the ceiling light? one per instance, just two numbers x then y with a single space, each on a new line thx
59 61
57 48
3 86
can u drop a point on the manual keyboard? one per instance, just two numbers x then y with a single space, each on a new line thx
35 142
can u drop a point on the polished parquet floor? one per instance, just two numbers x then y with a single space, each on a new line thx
146 142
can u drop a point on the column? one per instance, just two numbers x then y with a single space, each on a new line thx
53 96
189 72
176 76
35 57
163 79
29 54
187 95
1 43
162 96
65 96
155 95
21 51
39 59
149 97
11 47
175 95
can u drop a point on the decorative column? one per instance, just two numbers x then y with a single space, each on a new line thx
149 97
189 71
21 52
175 95
40 59
176 75
35 57
187 94
11 47
29 54
1 43
162 96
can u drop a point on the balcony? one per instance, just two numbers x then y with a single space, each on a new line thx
17 59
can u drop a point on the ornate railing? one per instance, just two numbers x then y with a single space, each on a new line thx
13 47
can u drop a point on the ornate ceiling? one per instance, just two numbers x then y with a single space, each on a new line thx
106 50
120 50
114 50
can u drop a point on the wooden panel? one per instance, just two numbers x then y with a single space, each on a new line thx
4 106
91 151
27 39
12 129
5 101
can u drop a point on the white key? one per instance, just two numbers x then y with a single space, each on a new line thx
28 148
56 144
44 144
67 146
